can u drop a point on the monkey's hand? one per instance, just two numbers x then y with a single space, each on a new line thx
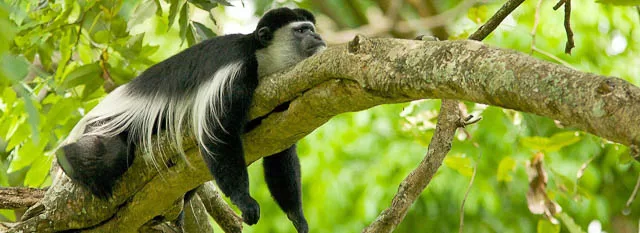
249 208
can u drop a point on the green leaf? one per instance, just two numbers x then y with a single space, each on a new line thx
206 5
13 68
545 226
26 155
560 140
506 166
74 15
38 171
184 22
91 86
101 36
174 8
66 47
461 164
223 2
535 143
9 214
569 223
142 13
191 38
478 14
620 2
202 31
18 132
82 75
158 8
119 28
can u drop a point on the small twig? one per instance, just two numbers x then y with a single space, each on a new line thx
558 5
495 20
553 57
469 120
567 24
466 194
633 194
536 20
567 27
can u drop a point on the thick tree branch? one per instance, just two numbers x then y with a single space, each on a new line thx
369 72
14 197
363 74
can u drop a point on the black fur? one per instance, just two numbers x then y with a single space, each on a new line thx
97 162
282 173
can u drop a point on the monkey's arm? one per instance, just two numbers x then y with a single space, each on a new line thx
222 148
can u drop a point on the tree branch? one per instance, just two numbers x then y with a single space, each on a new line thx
412 186
15 198
363 74
218 209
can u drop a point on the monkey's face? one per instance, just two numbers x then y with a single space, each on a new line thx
309 42
287 46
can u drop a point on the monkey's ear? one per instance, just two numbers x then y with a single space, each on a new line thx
264 35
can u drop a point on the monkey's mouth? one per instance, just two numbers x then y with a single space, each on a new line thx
316 49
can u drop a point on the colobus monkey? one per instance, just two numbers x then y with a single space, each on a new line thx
205 90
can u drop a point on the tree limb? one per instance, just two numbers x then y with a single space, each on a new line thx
412 186
363 74
19 197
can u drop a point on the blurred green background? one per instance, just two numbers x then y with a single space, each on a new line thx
60 57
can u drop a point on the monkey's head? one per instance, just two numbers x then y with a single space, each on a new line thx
287 36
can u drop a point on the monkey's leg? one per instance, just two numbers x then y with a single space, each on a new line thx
282 173
96 162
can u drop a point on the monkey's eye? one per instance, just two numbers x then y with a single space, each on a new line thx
300 30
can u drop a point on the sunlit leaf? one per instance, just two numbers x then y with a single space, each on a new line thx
74 15
38 172
560 140
535 143
620 2
142 13
14 68
460 164
569 223
478 14
26 154
545 226
506 166
101 36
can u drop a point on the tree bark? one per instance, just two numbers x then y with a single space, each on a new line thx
353 77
